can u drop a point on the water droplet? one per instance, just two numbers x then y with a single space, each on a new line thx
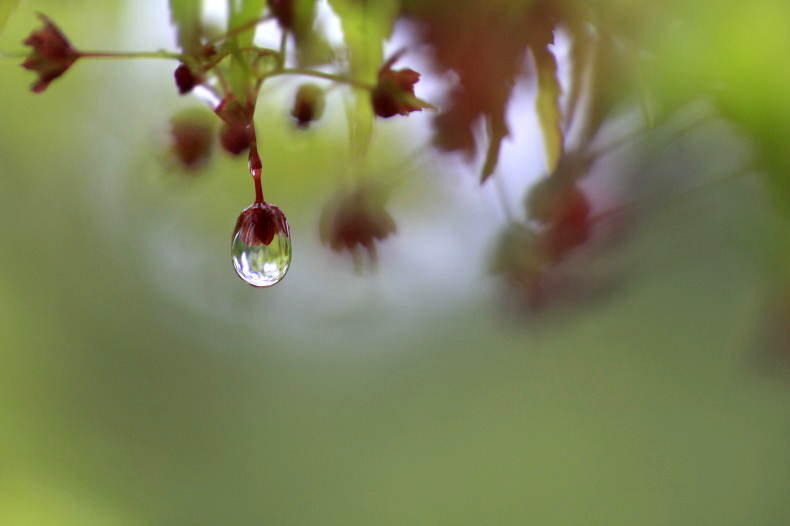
261 247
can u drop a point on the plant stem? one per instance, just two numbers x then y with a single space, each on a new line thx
256 166
283 48
137 54
240 29
321 75
14 55
502 195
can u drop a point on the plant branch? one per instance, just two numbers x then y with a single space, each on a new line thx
321 75
240 29
135 54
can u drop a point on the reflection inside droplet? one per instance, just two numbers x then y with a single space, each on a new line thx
261 265
261 247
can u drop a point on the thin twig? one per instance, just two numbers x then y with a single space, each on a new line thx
240 29
133 54
320 74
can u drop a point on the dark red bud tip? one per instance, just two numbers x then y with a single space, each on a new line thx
356 219
235 139
185 79
394 93
192 141
308 105
51 54
259 223
283 11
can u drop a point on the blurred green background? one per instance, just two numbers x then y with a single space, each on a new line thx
142 383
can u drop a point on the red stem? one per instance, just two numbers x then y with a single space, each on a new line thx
256 167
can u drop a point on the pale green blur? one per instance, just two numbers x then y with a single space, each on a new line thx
142 383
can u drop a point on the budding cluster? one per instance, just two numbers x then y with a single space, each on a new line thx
51 55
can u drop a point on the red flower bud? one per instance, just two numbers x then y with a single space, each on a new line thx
235 138
565 211
259 223
308 105
237 133
394 93
192 139
185 79
51 56
355 219
283 11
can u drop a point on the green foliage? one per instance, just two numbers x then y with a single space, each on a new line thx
547 104
6 8
241 13
186 15
366 24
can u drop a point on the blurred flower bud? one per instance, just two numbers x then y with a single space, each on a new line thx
259 223
51 55
519 259
193 136
308 104
564 210
394 93
356 219
185 79
235 139
283 11
236 135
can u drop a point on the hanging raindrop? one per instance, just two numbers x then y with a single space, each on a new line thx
261 247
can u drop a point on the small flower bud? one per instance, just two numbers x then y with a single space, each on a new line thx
356 219
185 79
564 210
236 135
259 223
51 55
192 135
394 93
283 11
308 105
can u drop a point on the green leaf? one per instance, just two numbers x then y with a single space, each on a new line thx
581 55
366 25
6 8
244 12
312 47
497 132
186 15
547 105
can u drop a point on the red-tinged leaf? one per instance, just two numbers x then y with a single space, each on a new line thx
547 105
6 8
186 15
497 132
482 44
